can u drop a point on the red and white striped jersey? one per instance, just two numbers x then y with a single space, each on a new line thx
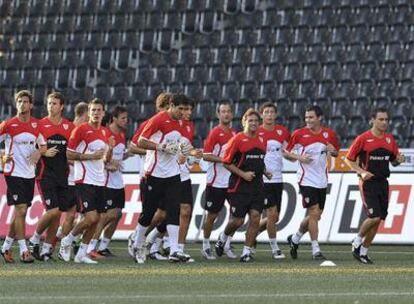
304 141
114 179
187 138
87 140
134 141
20 140
216 144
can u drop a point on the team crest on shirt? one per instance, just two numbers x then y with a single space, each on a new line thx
34 125
325 134
209 204
65 126
15 197
279 132
388 140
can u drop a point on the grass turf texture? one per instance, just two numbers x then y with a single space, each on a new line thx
120 280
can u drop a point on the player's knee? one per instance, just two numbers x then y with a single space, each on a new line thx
185 211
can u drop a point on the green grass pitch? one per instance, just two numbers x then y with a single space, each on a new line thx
119 280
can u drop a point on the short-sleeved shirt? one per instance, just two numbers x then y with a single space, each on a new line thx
114 179
276 141
374 153
87 140
248 154
304 141
20 140
56 135
135 140
161 129
216 144
187 133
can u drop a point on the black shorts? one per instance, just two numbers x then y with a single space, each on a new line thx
53 195
215 198
144 191
187 193
91 197
19 190
375 197
312 196
273 195
242 203
161 192
115 198
71 199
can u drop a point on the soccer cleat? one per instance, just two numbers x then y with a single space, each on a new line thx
365 259
166 251
157 256
278 255
247 258
85 259
318 256
178 257
186 258
293 247
64 252
34 250
140 255
7 256
75 245
26 257
131 249
95 255
356 253
219 247
106 253
208 254
230 253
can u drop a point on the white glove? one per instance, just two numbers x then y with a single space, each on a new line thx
169 148
186 148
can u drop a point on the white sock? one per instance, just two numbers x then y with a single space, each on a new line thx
166 242
103 244
59 232
296 237
227 245
181 247
68 240
357 241
22 246
273 245
363 251
155 247
246 250
223 237
92 246
35 239
315 247
152 236
140 236
46 248
83 248
8 243
173 237
206 244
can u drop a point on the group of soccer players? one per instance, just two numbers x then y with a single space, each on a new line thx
78 169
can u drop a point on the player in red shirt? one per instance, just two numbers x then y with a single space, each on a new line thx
89 146
20 135
244 158
52 175
313 144
277 137
369 156
217 176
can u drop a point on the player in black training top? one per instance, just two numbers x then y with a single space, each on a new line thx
370 155
244 158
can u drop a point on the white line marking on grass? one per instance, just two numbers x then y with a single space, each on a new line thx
211 296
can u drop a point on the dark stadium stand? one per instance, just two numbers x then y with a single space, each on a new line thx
345 55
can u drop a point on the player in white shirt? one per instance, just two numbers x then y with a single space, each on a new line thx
20 135
313 145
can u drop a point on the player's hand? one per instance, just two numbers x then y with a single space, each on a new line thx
366 175
34 158
97 155
6 158
186 148
181 159
197 153
169 148
248 176
331 149
305 158
400 158
51 152
268 175
111 141
113 165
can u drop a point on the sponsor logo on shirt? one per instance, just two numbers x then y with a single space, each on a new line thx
279 132
373 157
